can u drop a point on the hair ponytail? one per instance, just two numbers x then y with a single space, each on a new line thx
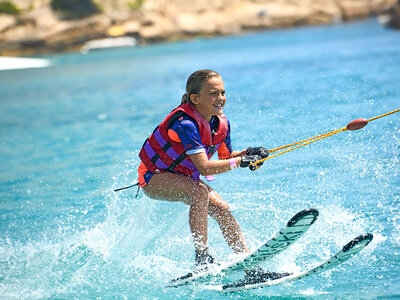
185 98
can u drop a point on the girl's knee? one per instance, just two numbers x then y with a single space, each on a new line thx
220 210
200 195
218 203
225 207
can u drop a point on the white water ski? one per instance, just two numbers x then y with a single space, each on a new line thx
294 229
348 251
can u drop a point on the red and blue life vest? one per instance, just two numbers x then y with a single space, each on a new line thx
162 154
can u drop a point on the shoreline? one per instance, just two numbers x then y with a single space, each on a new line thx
40 30
40 60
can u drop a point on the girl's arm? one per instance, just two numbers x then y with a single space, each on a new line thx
238 153
211 167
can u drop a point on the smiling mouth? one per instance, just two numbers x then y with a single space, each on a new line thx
218 105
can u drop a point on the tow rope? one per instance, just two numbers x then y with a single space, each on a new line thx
353 125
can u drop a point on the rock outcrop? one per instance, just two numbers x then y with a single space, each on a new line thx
393 16
40 29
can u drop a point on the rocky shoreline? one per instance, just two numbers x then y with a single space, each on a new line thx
39 29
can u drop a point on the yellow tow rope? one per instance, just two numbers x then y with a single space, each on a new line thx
354 125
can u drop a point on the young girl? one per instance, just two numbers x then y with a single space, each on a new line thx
179 151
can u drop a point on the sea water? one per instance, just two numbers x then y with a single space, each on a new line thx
71 133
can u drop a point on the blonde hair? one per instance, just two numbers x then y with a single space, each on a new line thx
195 82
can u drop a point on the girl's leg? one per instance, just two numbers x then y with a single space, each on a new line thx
203 200
172 187
218 209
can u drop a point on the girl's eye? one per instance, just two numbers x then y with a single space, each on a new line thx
216 93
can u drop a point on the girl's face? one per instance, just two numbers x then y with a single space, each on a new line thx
211 99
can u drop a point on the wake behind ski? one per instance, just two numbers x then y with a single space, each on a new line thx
294 229
348 251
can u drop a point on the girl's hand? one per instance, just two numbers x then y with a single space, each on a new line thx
261 151
248 159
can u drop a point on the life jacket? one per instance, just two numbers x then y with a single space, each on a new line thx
160 153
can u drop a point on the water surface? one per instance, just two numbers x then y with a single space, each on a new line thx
70 133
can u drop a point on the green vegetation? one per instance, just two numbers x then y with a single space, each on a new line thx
7 7
135 4
75 9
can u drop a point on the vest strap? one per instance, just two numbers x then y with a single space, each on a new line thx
177 161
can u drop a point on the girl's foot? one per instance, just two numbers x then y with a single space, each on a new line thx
204 258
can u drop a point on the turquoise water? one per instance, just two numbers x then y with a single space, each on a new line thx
71 133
